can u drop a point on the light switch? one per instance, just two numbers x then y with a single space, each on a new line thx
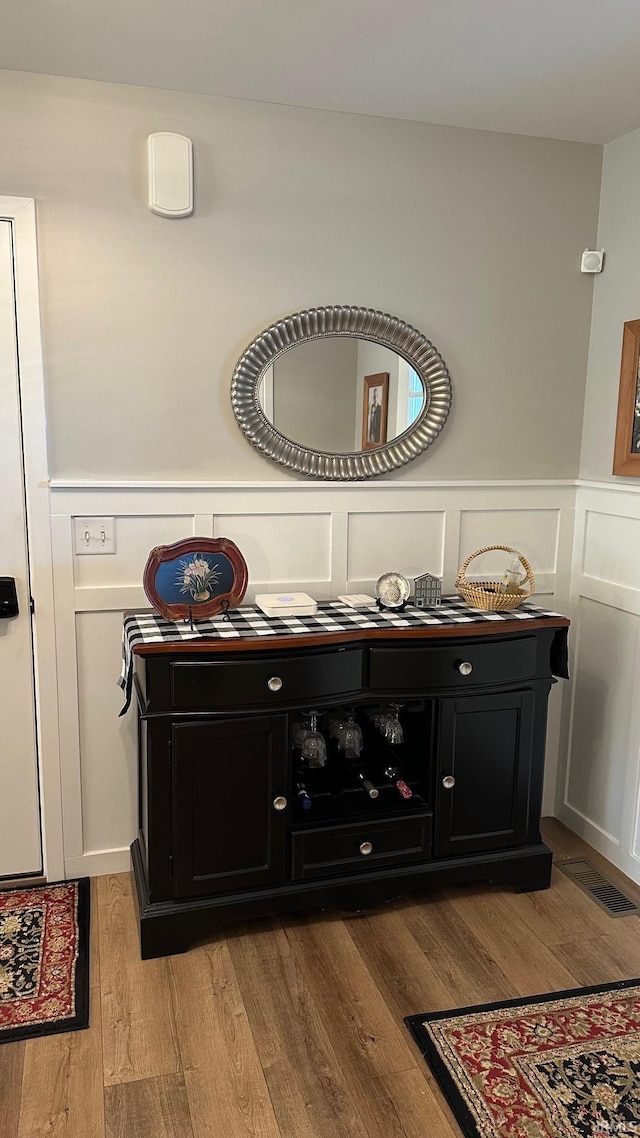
95 535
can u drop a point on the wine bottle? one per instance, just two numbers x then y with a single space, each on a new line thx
303 796
394 774
360 775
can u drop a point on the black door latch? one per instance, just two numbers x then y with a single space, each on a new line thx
8 597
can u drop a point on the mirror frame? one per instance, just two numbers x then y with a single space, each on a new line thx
364 324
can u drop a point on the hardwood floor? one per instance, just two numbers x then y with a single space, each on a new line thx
293 1028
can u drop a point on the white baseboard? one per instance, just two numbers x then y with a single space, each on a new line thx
613 851
98 862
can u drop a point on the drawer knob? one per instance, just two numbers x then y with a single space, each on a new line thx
366 848
274 683
465 668
448 782
280 802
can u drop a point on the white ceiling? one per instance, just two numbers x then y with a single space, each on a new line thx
558 68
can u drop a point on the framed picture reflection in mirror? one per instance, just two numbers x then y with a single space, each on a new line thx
375 407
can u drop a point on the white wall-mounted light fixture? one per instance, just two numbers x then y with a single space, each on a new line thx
170 174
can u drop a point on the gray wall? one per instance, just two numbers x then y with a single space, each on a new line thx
616 299
314 390
473 237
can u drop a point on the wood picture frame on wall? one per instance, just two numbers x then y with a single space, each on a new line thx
626 455
375 408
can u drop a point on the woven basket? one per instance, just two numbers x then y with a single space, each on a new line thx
491 594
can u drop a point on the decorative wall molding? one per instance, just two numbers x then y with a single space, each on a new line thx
334 538
621 485
273 484
600 734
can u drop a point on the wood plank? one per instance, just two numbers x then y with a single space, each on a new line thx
561 913
367 1039
225 1084
404 1105
94 940
310 1093
272 1023
464 963
559 839
605 958
138 1028
148 1108
11 1065
521 955
62 1091
409 981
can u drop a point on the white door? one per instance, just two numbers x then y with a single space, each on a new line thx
20 845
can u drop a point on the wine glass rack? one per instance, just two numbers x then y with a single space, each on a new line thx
336 792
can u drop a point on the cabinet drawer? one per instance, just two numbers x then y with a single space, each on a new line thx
446 666
341 849
269 682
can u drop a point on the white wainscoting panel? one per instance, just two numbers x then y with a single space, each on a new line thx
322 538
408 542
604 678
135 538
534 533
107 772
281 547
612 549
599 783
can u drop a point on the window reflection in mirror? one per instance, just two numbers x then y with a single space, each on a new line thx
313 393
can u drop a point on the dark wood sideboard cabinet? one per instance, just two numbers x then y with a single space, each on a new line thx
223 834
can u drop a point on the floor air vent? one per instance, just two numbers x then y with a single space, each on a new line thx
591 881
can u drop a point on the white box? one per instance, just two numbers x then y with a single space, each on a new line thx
286 604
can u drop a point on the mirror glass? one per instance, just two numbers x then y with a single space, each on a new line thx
341 394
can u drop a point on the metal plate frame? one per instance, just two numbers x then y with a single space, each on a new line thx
340 320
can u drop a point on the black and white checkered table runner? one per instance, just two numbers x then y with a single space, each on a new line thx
249 622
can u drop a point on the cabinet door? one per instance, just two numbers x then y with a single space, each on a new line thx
227 835
485 747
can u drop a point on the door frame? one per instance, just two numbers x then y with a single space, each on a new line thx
21 215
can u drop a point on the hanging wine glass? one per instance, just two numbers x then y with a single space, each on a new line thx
334 723
379 720
298 732
349 737
314 749
393 732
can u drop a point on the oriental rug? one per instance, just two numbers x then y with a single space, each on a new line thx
44 959
562 1065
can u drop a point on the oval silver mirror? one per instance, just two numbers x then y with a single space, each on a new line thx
362 394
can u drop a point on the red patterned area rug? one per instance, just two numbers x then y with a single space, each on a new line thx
44 959
563 1065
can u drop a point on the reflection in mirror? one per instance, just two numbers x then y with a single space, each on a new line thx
327 422
331 394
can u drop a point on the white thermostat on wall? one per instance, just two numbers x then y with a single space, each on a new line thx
286 604
592 261
170 174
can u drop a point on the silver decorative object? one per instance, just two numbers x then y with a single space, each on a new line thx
392 590
341 320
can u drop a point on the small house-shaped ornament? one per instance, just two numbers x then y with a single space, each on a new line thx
427 590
